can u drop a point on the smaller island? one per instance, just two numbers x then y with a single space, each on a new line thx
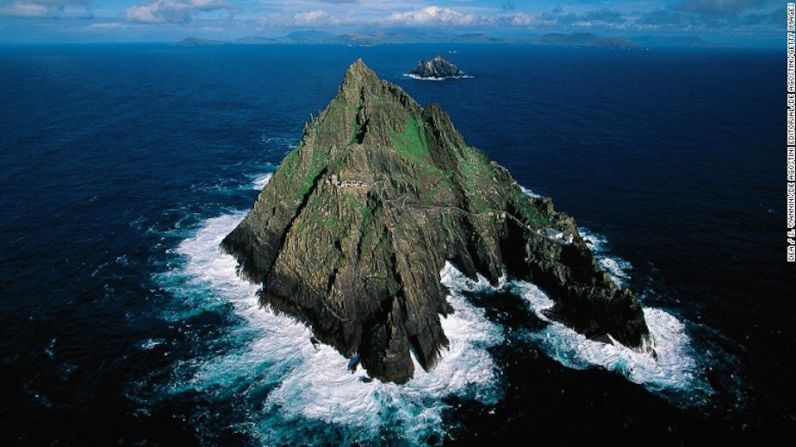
437 69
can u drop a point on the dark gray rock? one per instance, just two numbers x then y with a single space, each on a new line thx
351 233
437 68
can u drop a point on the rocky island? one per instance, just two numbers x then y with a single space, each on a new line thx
436 68
352 231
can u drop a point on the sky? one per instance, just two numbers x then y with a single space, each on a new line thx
734 22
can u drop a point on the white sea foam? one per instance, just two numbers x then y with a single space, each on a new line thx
616 267
260 181
529 193
435 78
314 383
672 369
150 343
271 355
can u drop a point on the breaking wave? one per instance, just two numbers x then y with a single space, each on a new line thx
529 193
671 371
281 386
306 385
260 181
616 267
433 78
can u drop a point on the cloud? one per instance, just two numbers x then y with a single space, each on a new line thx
433 15
604 17
660 17
311 17
705 15
687 16
173 11
39 8
108 25
599 16
381 14
523 19
771 18
697 17
20 9
718 7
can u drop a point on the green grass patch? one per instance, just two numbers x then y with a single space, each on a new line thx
477 173
290 163
291 168
411 143
358 205
355 131
528 211
332 222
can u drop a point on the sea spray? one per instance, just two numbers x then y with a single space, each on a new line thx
671 370
293 386
303 382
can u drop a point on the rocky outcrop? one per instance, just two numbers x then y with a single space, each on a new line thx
436 68
351 233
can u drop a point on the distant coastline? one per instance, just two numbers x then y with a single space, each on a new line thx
369 39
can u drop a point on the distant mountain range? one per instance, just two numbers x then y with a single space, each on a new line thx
420 36
197 42
582 40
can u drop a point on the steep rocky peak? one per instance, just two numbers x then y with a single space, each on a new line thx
361 85
368 110
357 77
352 231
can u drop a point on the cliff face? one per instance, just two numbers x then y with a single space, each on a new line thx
354 227
438 67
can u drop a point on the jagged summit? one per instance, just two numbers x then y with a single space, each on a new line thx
351 233
358 70
357 76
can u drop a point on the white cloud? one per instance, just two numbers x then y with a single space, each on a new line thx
20 9
38 8
310 17
432 15
376 13
719 6
172 11
108 25
523 19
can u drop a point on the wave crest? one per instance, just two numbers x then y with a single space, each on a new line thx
282 386
272 355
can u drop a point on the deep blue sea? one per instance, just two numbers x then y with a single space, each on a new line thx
122 166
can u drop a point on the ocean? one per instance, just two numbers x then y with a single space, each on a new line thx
122 167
